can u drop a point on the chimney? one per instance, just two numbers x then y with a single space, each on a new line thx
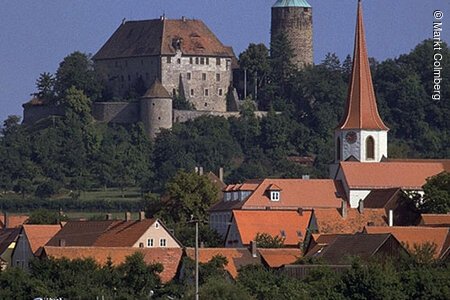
344 209
361 206
200 171
221 174
202 244
141 216
127 216
183 18
391 218
108 217
5 218
300 211
62 243
196 170
253 248
305 177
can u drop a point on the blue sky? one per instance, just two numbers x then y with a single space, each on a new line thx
36 35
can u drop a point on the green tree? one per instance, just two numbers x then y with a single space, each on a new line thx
265 240
44 216
45 85
436 197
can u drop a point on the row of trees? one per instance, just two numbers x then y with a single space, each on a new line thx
407 278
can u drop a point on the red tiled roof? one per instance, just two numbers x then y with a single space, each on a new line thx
435 220
156 37
361 111
168 257
297 193
14 221
236 257
412 236
291 223
39 235
276 258
330 221
405 175
123 234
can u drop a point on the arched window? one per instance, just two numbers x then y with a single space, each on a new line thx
370 148
338 149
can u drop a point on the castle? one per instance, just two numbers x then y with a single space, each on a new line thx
160 60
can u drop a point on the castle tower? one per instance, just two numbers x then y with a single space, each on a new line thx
293 18
361 135
156 109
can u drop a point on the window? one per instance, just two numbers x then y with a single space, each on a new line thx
189 76
174 92
275 196
206 104
192 92
338 149
206 93
169 59
217 77
162 243
150 243
202 61
207 60
203 76
218 61
220 92
228 64
156 225
178 61
196 60
191 60
370 148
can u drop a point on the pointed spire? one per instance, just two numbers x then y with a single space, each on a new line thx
361 111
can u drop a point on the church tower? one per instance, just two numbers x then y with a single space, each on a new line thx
293 18
361 135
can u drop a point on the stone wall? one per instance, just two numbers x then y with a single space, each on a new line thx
296 24
32 114
180 116
116 112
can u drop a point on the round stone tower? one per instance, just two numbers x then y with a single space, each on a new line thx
156 109
293 18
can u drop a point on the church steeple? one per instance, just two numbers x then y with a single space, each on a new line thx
361 135
361 111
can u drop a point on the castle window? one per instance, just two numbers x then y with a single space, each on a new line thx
274 195
191 60
202 61
203 76
370 148
196 60
207 60
338 149
206 104
218 61
206 92
192 92
228 64
178 61
174 92
159 118
305 9
169 59
220 92
217 77
189 76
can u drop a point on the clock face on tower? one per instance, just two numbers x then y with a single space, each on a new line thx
351 137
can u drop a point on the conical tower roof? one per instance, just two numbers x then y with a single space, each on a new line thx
157 90
291 3
361 110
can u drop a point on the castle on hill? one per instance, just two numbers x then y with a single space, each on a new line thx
164 59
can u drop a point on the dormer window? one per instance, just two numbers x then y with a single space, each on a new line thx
274 195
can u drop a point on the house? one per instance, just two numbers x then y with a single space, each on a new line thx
12 221
364 246
395 202
274 194
30 242
168 257
246 224
8 238
142 233
184 55
435 220
344 220
236 257
278 257
416 236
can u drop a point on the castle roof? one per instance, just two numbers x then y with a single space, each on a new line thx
157 90
361 111
291 3
162 37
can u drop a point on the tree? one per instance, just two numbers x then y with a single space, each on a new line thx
188 195
45 85
265 240
436 197
255 60
43 216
